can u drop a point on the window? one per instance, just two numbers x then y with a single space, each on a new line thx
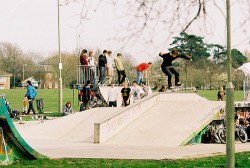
1 87
50 75
50 85
56 85
2 79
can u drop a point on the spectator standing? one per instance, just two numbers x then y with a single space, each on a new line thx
137 92
126 94
67 109
144 88
140 69
102 66
110 67
120 68
84 96
112 95
84 62
31 95
92 64
220 94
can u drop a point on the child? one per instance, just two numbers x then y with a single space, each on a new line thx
112 95
137 92
126 94
67 109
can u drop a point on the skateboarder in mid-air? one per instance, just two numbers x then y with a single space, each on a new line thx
168 68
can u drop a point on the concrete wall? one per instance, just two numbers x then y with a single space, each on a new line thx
110 126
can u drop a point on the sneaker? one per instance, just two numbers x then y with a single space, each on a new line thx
170 87
178 84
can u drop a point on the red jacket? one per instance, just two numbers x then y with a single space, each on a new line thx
84 59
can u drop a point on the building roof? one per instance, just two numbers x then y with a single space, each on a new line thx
2 73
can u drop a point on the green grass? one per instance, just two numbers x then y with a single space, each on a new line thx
241 160
15 97
212 94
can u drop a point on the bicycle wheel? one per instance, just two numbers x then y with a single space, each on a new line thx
222 135
242 135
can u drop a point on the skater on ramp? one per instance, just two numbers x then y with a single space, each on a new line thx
168 68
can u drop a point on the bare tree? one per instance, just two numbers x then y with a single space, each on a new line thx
140 18
11 60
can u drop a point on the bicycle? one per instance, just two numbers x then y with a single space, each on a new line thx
240 133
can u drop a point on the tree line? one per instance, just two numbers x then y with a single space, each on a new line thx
207 71
14 59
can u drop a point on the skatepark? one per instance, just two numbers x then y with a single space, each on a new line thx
160 126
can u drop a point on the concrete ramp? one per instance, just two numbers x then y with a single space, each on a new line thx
157 118
12 145
78 127
168 124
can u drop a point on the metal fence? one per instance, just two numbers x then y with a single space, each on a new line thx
85 73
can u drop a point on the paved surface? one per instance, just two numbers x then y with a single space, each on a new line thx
155 135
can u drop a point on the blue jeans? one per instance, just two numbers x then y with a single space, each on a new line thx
139 77
102 74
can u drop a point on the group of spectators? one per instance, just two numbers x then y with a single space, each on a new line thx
105 64
135 92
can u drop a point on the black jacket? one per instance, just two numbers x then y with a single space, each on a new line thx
168 59
84 94
102 60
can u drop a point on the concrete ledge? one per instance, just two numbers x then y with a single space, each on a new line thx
110 126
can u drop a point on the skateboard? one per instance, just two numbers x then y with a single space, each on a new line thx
174 89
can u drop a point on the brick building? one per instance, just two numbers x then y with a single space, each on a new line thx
4 80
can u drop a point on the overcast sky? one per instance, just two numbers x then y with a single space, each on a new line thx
32 24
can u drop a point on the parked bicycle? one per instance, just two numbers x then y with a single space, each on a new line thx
240 133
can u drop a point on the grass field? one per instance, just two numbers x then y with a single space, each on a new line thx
15 97
242 160
212 94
